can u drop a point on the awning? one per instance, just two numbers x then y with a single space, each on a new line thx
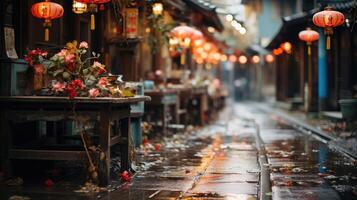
209 12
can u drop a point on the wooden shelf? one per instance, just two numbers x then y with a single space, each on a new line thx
28 154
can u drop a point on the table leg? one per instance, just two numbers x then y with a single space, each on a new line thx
125 148
164 119
104 172
6 145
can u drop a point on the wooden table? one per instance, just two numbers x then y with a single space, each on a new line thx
111 117
161 101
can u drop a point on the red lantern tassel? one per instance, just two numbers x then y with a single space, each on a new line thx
92 22
182 58
47 34
328 42
308 50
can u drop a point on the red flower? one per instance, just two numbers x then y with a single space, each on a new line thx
100 70
77 83
102 83
29 60
125 176
71 66
145 142
71 91
157 147
48 183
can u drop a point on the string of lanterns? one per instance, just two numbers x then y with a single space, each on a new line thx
49 11
93 8
327 19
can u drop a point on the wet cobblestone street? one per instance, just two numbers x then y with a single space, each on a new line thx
221 162
224 161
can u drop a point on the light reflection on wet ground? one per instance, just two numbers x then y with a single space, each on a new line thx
303 167
220 162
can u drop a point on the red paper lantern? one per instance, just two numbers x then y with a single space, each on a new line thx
287 46
309 36
47 11
277 51
328 19
232 58
269 58
255 59
93 8
185 35
243 59
182 32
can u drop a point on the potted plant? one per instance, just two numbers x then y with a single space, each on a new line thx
349 107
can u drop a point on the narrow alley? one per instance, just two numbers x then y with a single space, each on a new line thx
178 100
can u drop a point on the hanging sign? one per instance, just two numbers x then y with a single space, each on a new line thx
132 20
10 43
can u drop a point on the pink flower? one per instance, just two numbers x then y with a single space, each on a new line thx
58 86
70 58
102 83
96 64
93 93
44 53
62 53
83 45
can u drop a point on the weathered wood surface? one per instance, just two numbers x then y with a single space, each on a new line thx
56 99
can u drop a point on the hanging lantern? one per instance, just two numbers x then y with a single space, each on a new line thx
255 59
157 9
47 11
93 8
308 36
269 58
232 58
243 59
328 19
286 46
223 58
278 51
186 35
78 7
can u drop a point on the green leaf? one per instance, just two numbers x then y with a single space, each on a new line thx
66 75
85 71
55 73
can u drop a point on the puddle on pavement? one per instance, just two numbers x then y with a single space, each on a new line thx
304 168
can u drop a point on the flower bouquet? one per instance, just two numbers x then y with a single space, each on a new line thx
36 73
75 73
